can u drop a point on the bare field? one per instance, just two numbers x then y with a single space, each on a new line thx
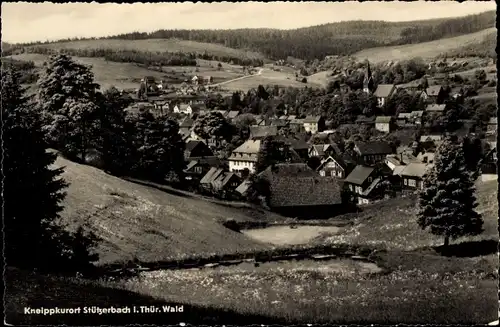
321 78
285 235
424 50
107 73
157 45
267 77
127 75
140 222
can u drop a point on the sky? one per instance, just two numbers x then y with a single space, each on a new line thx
27 22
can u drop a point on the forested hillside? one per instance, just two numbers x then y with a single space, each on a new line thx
315 42
329 39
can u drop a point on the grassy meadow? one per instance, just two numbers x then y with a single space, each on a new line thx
157 45
141 222
416 281
425 50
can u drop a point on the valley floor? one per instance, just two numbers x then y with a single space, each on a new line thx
412 280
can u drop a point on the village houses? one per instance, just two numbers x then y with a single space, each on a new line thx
298 191
336 166
362 182
314 124
492 126
244 156
383 93
412 174
372 152
435 94
384 124
323 150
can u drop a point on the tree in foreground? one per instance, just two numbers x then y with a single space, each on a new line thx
67 100
447 202
33 191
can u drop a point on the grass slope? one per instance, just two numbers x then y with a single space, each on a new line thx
24 289
393 224
122 75
420 285
424 50
157 45
140 222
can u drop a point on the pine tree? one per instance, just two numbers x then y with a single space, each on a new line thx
32 191
158 147
67 100
447 202
113 135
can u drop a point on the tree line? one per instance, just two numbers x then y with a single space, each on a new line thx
447 28
342 38
25 69
316 42
146 58
71 116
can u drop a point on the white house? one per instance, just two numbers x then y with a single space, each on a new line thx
383 123
244 157
183 109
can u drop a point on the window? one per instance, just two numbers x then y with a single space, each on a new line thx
350 188
405 181
369 179
412 182
198 169
359 190
424 159
322 173
332 173
339 174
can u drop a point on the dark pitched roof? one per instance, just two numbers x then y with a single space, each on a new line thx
211 175
435 107
359 175
433 90
288 170
344 161
263 131
415 169
304 191
312 119
365 120
296 142
384 90
222 179
243 187
373 147
191 144
383 119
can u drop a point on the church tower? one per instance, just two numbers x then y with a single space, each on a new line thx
368 81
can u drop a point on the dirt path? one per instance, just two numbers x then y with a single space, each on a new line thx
238 78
